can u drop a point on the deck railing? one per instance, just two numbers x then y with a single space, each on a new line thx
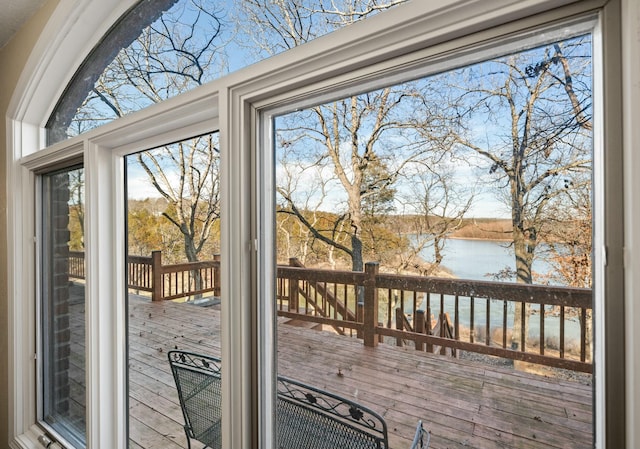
174 281
444 315
432 314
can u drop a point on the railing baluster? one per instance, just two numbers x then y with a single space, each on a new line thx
505 312
583 334
562 332
471 319
523 337
399 325
456 318
488 325
443 324
418 327
542 338
441 315
389 307
429 324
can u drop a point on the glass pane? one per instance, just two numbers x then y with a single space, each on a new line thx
434 249
63 304
173 196
162 48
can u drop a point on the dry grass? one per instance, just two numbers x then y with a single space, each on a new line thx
486 229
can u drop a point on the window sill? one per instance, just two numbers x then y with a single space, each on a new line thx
29 440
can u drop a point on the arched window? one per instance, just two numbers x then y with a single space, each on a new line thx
160 49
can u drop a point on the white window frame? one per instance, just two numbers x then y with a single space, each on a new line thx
239 105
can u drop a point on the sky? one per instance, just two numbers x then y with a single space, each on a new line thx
486 205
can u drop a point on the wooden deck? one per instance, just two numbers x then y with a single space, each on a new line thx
464 404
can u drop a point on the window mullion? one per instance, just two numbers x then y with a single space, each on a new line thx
105 256
238 288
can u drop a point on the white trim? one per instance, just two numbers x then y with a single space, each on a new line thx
631 145
74 28
21 282
105 298
599 244
264 194
235 243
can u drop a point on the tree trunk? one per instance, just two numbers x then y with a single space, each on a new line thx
524 247
192 256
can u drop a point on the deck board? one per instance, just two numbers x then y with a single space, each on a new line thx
465 404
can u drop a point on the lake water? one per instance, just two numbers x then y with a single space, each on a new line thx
480 260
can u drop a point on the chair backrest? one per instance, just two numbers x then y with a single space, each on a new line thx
311 418
197 380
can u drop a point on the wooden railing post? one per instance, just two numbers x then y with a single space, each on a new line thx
216 276
370 317
293 288
156 278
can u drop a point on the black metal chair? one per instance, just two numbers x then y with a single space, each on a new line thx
311 418
422 437
197 379
307 417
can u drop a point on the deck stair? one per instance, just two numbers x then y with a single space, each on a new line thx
328 296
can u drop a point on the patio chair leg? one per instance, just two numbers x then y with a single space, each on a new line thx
186 433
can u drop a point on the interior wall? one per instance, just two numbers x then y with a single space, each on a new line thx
13 58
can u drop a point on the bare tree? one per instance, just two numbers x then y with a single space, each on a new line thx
274 26
343 137
182 49
346 142
535 108
76 209
570 246
186 174
305 188
435 205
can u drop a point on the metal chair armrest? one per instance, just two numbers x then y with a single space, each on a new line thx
422 437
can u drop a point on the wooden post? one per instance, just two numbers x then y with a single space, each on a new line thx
216 276
156 275
293 288
370 304
418 326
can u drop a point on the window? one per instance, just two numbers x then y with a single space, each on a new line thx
63 304
163 48
173 226
411 42
422 178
